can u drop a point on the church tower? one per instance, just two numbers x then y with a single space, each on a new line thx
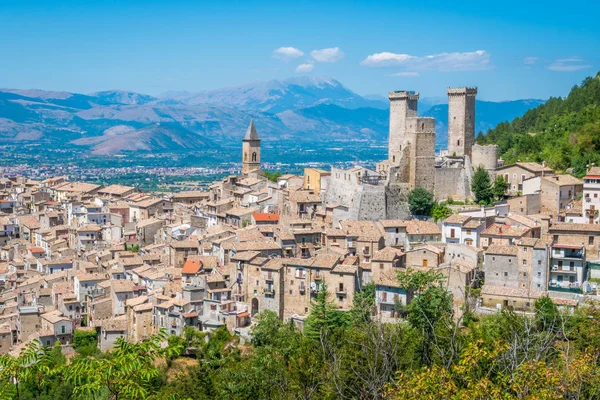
250 150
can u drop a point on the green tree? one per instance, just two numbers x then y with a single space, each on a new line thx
440 212
272 176
499 187
420 201
363 304
324 319
129 372
85 342
430 305
481 186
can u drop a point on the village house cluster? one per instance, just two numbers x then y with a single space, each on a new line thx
76 255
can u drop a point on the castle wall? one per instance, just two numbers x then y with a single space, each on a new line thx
372 203
486 156
396 198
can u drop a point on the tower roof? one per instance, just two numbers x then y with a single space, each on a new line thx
251 133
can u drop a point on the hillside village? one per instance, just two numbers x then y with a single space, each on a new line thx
127 264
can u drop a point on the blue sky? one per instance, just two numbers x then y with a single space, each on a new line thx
509 49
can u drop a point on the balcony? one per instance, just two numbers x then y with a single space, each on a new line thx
269 278
269 291
318 278
566 287
569 254
302 289
591 211
563 269
341 292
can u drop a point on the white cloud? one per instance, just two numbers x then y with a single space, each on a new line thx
287 53
466 61
305 67
386 59
568 64
330 55
405 74
530 60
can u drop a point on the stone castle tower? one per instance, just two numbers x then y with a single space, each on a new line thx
403 104
411 143
461 121
250 150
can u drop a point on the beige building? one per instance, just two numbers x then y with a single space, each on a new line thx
515 174
315 179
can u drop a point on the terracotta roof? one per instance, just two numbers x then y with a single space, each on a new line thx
457 219
387 254
191 266
77 187
392 223
498 249
416 227
510 292
115 189
37 250
504 230
265 217
562 180
568 226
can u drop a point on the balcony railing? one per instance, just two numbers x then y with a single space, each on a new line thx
318 277
557 268
341 291
269 291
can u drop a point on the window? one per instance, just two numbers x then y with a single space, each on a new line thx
384 296
590 240
380 265
506 274
468 231
254 156
539 274
397 230
62 328
524 262
525 249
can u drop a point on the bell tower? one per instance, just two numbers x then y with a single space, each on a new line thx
250 150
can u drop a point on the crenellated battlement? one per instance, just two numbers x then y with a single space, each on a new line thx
403 95
462 91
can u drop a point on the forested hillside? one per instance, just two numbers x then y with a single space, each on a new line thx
431 354
564 132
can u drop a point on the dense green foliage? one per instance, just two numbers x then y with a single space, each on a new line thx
564 132
85 342
420 201
272 176
482 186
499 187
433 354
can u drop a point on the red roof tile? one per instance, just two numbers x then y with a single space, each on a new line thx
265 217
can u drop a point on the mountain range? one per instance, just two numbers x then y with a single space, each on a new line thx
115 121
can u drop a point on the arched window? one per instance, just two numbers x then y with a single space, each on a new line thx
254 156
245 156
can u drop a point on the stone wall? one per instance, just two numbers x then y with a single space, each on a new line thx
396 198
485 156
